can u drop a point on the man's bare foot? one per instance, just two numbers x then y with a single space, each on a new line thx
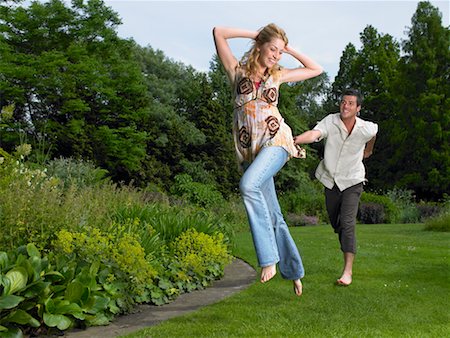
298 287
345 280
268 272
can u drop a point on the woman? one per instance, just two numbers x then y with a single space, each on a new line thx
263 141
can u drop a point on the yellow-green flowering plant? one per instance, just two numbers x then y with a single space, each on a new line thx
202 256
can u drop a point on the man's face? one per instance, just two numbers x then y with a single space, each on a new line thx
349 107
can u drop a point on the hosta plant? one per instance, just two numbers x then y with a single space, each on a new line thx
36 295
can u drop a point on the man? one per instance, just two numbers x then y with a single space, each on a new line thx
348 140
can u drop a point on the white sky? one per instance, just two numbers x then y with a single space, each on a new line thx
321 29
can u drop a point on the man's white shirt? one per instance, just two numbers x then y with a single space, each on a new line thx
342 163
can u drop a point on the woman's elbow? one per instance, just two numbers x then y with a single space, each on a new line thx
217 31
319 70
315 71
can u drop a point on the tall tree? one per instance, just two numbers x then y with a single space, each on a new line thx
373 70
74 82
172 135
345 77
421 161
217 155
377 65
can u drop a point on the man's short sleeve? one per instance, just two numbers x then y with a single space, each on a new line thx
370 130
322 126
375 129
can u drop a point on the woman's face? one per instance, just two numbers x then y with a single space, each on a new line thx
270 53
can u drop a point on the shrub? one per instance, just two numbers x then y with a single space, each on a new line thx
110 246
35 206
301 220
25 197
121 254
371 213
73 172
232 215
194 260
169 221
428 210
391 211
307 199
201 194
201 256
439 223
409 210
409 214
405 201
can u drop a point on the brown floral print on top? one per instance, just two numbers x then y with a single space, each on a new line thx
272 125
244 138
245 86
270 95
257 123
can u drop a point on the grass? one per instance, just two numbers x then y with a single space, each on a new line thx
401 288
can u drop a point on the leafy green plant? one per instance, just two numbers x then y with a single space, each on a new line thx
405 201
34 205
204 195
439 223
391 211
371 213
107 247
77 299
119 253
202 256
35 293
304 202
25 281
73 172
427 210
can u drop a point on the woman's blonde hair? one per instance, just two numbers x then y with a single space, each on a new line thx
266 34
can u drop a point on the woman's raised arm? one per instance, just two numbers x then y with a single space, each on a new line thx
311 68
221 35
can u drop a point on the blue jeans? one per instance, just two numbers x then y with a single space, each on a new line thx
271 238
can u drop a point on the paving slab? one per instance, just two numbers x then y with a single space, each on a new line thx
238 275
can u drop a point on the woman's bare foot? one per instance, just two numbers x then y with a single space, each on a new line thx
345 280
298 287
268 272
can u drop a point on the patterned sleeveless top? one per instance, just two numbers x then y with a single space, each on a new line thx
257 123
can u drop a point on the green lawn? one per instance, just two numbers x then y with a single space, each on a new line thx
401 288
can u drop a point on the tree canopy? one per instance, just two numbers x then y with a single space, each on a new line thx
79 90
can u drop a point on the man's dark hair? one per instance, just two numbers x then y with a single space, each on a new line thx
354 92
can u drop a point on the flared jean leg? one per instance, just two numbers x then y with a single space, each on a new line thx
290 264
271 238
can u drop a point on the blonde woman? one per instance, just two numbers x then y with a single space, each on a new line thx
263 141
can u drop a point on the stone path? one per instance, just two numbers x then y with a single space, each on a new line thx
237 276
